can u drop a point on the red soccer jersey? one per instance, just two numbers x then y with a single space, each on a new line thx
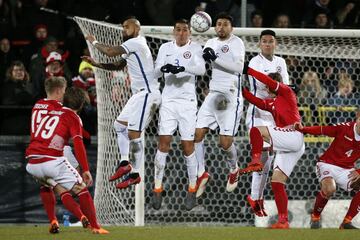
52 125
344 151
283 107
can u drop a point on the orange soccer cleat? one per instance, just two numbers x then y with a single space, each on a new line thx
254 166
280 225
157 198
54 227
257 206
85 222
99 231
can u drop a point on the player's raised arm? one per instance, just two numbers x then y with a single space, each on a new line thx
115 66
110 51
271 83
260 103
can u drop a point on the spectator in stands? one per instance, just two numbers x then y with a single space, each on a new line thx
86 81
314 8
344 95
16 92
40 34
311 91
346 15
322 20
38 63
282 21
6 57
256 19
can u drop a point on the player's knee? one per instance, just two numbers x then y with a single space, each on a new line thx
78 187
163 147
279 176
226 142
188 149
328 190
199 135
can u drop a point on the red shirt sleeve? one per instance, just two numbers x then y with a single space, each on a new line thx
80 153
260 103
265 79
321 130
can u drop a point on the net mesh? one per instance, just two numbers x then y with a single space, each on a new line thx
327 56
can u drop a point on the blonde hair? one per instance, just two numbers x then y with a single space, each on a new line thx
53 83
344 79
309 75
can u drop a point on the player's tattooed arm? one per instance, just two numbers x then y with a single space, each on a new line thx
115 66
110 51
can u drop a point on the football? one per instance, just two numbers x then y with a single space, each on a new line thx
200 21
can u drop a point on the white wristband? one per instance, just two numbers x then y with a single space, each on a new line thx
94 42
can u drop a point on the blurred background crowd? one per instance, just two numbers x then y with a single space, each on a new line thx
35 44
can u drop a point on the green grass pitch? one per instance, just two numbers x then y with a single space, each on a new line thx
28 232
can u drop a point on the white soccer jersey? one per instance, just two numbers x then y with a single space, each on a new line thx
180 85
140 64
231 50
256 116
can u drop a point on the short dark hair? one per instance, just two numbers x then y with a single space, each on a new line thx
182 21
225 15
256 12
276 76
74 98
267 32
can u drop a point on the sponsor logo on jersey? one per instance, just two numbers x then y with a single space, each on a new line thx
266 70
278 69
168 55
187 54
225 48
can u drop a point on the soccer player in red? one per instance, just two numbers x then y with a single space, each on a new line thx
284 139
336 166
52 125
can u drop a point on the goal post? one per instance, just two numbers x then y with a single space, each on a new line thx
326 52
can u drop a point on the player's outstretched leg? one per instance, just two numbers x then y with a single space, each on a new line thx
160 163
315 221
54 227
351 213
233 177
136 152
256 141
49 201
281 200
255 206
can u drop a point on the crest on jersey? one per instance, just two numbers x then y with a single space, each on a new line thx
326 173
187 54
278 69
225 48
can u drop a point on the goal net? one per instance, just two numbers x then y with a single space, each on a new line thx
329 53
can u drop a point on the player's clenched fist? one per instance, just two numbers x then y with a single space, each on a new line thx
168 68
209 54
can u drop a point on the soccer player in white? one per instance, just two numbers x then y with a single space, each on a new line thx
180 61
223 105
139 109
265 62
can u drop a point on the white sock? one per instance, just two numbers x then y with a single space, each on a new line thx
191 164
265 175
136 149
259 179
160 162
231 157
123 140
200 155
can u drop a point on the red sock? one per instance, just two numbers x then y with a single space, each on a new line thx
87 206
320 202
354 208
49 201
281 200
71 205
256 141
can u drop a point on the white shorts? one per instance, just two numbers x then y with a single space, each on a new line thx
138 111
339 174
178 114
256 117
214 113
70 156
289 146
58 171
